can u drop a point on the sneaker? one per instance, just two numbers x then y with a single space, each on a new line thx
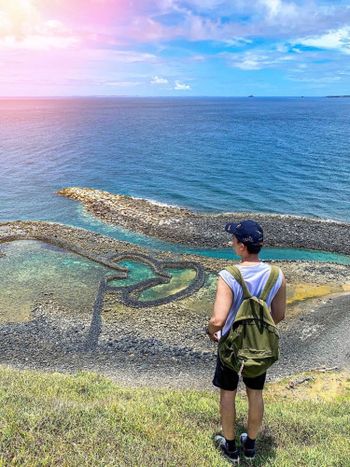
232 456
249 454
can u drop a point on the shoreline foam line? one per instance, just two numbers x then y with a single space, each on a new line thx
181 226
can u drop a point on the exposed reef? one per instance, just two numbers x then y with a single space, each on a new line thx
180 225
128 295
101 248
163 345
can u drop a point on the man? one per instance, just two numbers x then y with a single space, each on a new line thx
247 240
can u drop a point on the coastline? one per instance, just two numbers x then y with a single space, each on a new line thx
180 225
98 247
160 345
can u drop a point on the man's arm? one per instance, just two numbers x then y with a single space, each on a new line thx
222 305
278 304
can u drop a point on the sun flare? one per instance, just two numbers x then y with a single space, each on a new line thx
18 17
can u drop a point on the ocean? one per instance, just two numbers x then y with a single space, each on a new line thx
273 155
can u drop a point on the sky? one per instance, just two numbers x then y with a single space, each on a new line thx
174 47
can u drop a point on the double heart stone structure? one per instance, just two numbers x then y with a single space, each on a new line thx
128 295
59 236
110 260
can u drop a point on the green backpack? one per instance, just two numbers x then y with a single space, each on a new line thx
252 344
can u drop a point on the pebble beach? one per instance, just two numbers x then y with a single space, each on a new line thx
158 345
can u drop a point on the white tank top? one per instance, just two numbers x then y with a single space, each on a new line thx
255 277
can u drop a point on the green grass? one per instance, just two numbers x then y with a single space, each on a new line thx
86 419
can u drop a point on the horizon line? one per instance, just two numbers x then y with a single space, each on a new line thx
300 96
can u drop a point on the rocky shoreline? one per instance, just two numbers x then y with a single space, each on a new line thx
180 225
162 345
101 248
51 342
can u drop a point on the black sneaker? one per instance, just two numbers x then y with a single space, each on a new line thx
232 456
249 454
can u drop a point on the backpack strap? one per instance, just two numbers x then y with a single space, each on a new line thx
270 282
236 273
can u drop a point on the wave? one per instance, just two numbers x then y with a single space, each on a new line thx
158 203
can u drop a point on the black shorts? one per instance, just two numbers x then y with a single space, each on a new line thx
227 379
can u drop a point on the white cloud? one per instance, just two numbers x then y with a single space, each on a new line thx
125 56
208 4
258 59
337 40
198 58
38 42
271 19
248 61
120 84
237 41
279 9
159 80
282 48
133 57
179 86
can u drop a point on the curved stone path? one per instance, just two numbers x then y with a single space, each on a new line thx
164 346
163 277
54 240
125 292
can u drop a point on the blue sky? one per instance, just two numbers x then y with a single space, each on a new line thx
174 47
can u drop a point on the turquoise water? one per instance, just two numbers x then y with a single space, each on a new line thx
180 278
281 254
87 221
274 155
31 271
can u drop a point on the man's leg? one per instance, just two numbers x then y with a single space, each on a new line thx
228 413
254 387
255 411
227 381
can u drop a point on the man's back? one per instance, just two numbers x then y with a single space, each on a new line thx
255 276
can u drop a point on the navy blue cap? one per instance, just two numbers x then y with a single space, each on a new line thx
246 232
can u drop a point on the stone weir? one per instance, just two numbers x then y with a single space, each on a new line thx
79 241
180 225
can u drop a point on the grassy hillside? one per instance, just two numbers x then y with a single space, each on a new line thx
55 419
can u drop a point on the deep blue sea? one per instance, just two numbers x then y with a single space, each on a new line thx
276 155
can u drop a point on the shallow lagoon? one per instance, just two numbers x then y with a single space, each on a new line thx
86 221
32 269
34 272
137 271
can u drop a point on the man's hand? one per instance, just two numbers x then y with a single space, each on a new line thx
213 336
